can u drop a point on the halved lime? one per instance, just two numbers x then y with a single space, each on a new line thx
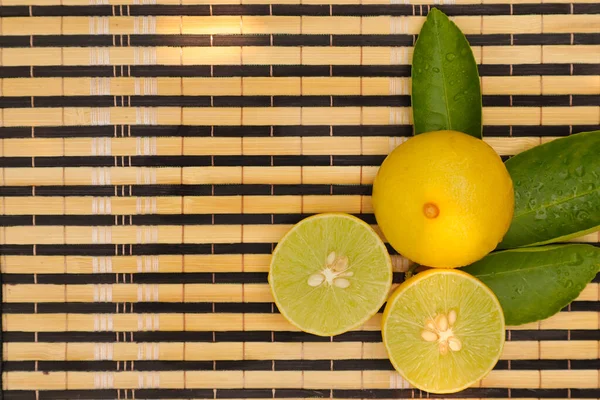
443 330
330 273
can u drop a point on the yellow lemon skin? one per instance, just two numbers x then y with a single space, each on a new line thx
443 199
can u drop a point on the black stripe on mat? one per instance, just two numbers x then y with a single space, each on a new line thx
189 308
271 365
284 9
590 8
279 70
160 219
145 249
184 190
394 40
138 307
142 249
140 277
145 278
14 11
191 161
205 131
283 101
266 130
258 336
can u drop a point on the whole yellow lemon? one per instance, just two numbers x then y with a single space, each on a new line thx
443 199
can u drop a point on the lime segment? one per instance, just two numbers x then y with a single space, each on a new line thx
330 273
443 330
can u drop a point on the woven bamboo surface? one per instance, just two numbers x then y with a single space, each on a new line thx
154 151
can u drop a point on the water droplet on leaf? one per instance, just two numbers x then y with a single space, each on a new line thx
582 215
436 69
577 260
540 215
563 174
569 283
464 51
458 96
519 290
580 171
450 57
532 203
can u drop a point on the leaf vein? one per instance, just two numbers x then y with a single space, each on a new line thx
535 210
520 270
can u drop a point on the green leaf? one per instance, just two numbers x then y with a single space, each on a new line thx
557 191
537 282
445 83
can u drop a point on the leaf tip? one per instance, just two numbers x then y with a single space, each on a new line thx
435 12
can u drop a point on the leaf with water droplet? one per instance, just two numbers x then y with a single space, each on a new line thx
438 104
569 283
540 215
532 203
575 197
535 283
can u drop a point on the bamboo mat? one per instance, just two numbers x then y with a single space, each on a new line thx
154 151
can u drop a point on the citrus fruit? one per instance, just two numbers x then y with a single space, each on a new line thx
330 273
443 330
443 199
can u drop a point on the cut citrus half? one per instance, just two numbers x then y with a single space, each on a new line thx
443 330
330 273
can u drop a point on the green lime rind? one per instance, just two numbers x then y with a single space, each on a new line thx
327 310
557 191
535 283
479 326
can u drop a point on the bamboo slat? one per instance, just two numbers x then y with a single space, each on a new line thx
283 379
586 115
283 55
153 263
336 25
583 320
160 234
175 293
173 351
281 86
216 146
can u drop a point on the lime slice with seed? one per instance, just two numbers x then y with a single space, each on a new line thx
330 273
443 330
